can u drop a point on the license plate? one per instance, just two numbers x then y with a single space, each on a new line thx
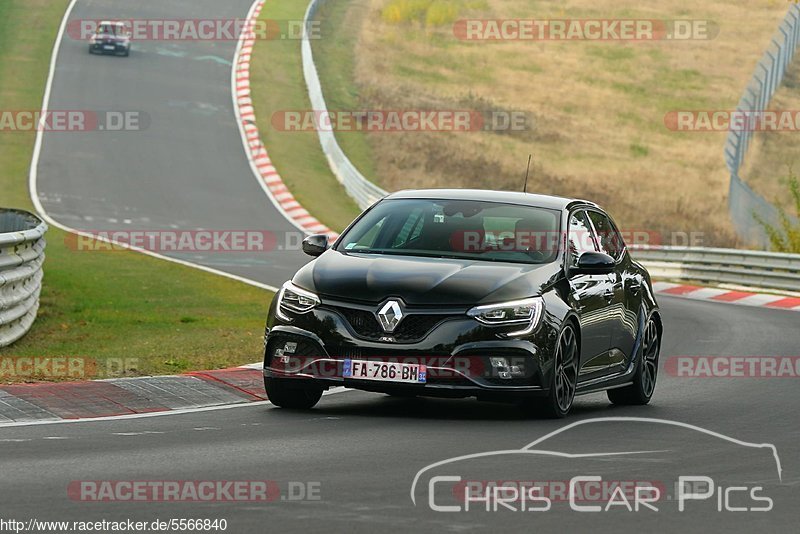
109 47
408 373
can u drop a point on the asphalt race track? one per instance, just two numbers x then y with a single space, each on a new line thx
361 451
186 168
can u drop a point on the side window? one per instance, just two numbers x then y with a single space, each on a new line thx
580 237
610 241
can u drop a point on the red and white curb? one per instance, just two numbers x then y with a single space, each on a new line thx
744 298
44 402
260 161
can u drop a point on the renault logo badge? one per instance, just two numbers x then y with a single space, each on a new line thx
390 315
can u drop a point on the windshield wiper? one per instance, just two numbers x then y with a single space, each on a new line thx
441 255
377 251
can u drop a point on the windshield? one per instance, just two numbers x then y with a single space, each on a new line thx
111 29
468 229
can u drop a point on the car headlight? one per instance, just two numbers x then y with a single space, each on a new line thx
295 299
526 312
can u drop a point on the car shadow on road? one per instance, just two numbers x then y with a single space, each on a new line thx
417 408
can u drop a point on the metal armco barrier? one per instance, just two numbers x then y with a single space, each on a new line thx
743 202
769 270
364 192
21 257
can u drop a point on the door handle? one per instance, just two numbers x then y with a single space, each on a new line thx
608 295
634 287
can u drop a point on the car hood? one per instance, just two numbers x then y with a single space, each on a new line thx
422 281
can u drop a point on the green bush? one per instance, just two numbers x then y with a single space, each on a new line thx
441 13
786 236
398 11
431 13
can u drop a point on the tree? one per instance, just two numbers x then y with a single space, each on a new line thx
786 236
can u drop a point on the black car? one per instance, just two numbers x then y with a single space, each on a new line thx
503 296
110 38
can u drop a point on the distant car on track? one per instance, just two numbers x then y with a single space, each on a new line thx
111 38
503 296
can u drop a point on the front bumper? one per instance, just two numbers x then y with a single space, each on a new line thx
100 48
460 356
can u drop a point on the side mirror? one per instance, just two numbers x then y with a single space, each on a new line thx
315 245
594 263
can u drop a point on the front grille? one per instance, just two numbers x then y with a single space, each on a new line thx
412 327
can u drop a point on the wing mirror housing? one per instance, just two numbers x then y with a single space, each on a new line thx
594 263
315 245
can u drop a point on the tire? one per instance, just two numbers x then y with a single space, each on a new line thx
561 395
291 394
126 53
644 379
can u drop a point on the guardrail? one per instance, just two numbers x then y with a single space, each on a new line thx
769 270
743 202
22 246
364 192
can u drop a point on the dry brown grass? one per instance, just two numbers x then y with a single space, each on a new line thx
773 154
599 107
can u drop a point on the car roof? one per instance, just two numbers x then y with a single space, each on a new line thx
111 23
508 197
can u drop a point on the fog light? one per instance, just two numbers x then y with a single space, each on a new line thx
504 370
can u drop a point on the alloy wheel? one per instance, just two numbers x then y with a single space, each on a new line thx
566 366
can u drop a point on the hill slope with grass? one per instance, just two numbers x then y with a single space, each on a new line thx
597 109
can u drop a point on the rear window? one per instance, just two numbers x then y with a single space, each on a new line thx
468 229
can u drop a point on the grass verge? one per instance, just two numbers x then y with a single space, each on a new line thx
108 306
276 79
773 156
335 57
